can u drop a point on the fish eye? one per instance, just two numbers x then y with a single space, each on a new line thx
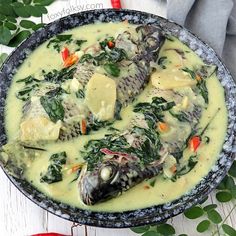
106 173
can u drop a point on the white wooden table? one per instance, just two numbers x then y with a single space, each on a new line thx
19 216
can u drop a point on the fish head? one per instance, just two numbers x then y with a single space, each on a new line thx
107 181
100 183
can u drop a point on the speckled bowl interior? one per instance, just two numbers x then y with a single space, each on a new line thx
143 216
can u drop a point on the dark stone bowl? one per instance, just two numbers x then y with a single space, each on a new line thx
148 215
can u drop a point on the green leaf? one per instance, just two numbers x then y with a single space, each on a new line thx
214 216
11 19
210 207
44 2
183 235
229 230
223 196
53 108
33 11
140 229
20 10
38 26
41 9
230 183
194 212
27 2
5 1
232 170
10 26
7 10
5 35
165 229
233 191
27 24
151 233
3 57
2 17
18 38
203 226
222 184
112 69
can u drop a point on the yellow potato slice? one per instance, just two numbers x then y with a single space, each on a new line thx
100 96
174 78
170 161
39 128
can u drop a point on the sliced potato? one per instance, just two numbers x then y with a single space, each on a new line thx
175 78
169 166
100 96
39 128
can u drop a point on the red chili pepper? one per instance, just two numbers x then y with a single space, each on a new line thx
48 234
116 4
110 44
65 53
194 143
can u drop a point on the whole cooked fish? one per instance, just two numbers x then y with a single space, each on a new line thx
55 107
120 161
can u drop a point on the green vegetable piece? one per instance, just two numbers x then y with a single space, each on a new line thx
3 57
10 25
54 173
210 207
162 62
5 35
53 108
151 233
43 2
6 9
203 90
230 183
141 229
11 19
38 26
232 170
194 212
20 10
27 24
223 196
85 58
182 117
103 44
214 216
35 11
27 2
18 38
190 72
165 229
203 226
112 69
229 230
233 191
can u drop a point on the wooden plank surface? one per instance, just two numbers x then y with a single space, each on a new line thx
19 216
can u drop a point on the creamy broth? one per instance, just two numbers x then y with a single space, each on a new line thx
139 196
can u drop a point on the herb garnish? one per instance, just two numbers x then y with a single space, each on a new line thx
190 72
181 116
57 41
53 107
54 173
153 111
162 62
112 69
59 76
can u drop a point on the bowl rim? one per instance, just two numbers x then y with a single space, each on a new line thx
120 219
